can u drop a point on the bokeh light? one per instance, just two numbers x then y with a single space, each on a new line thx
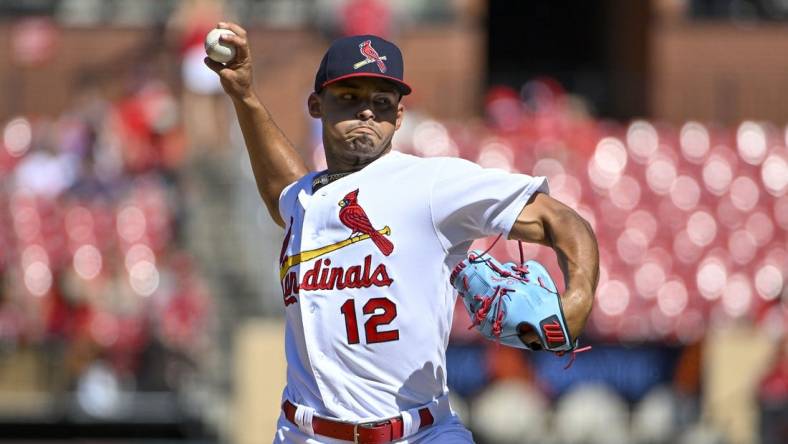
34 253
566 188
742 246
744 193
649 278
131 223
496 154
711 278
717 175
686 251
644 222
761 227
431 138
548 167
87 262
607 163
144 278
685 193
38 278
660 175
642 140
774 174
17 136
694 141
632 245
751 142
672 297
769 282
625 194
701 228
613 297
137 253
737 296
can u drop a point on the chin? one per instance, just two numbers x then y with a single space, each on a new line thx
364 146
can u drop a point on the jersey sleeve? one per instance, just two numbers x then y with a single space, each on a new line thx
290 193
469 202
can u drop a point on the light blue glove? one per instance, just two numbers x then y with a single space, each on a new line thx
507 300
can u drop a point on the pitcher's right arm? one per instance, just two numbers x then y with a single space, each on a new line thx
275 162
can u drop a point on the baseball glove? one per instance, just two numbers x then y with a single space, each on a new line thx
505 301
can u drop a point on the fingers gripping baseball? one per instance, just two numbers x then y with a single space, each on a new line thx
235 75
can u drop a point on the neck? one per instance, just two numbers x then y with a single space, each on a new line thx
347 164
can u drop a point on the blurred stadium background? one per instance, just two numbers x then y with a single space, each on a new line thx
137 293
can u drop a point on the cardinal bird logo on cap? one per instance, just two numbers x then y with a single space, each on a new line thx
354 217
371 56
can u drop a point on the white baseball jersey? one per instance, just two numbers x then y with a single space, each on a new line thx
365 278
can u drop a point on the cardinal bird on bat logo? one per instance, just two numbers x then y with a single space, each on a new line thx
370 56
354 217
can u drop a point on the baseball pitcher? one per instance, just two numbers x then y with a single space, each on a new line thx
376 250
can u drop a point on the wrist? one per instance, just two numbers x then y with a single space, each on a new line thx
248 99
576 304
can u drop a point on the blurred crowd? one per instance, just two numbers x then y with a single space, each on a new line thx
92 269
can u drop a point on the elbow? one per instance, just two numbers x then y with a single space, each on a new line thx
570 232
563 219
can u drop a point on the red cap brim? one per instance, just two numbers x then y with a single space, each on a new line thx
404 88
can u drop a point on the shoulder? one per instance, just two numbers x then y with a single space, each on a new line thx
432 164
290 192
304 183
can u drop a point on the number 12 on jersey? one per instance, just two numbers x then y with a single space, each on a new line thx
383 311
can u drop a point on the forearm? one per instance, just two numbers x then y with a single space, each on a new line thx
274 161
547 221
578 256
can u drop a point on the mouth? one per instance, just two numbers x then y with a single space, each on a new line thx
364 130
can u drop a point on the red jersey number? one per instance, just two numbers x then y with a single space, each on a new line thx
383 312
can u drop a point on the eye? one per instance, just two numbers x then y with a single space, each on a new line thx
383 101
347 96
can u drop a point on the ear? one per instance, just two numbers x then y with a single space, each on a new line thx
400 114
314 106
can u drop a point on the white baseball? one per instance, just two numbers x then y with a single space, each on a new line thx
217 50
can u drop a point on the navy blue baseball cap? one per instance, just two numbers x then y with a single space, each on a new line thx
362 56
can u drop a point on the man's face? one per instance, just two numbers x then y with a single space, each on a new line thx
360 116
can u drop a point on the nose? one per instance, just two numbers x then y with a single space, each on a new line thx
365 113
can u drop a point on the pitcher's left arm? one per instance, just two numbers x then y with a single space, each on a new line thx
547 221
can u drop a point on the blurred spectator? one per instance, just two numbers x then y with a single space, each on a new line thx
45 170
366 17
